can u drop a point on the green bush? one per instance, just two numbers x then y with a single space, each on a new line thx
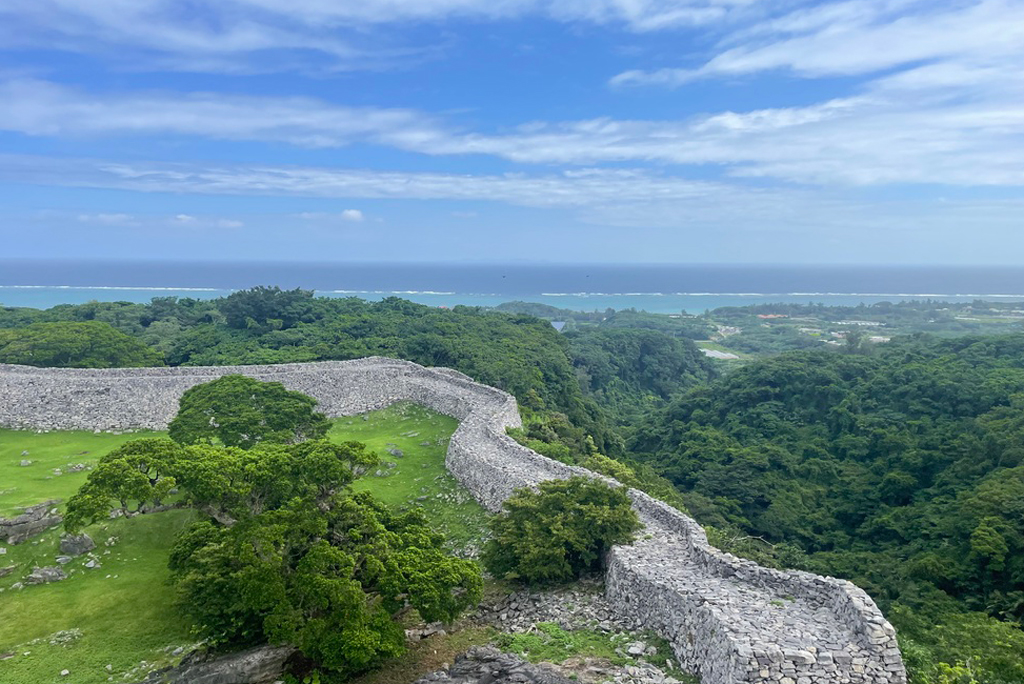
240 411
559 532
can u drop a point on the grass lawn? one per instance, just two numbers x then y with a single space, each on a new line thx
22 486
417 477
123 612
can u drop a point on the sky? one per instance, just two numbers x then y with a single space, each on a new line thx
670 131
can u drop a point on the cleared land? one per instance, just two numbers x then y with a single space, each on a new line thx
122 614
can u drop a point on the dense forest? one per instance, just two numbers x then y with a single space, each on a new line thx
899 466
902 470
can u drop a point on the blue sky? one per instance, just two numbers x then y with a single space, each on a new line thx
769 131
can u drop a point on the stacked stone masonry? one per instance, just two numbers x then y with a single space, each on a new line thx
728 619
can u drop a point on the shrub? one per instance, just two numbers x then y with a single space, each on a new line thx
560 531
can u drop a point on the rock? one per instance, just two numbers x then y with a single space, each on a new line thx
45 575
397 453
76 544
3 550
25 463
35 520
4 572
488 665
92 563
64 560
636 648
65 673
261 665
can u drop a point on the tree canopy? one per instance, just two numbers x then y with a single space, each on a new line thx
283 551
90 344
239 411
560 531
902 471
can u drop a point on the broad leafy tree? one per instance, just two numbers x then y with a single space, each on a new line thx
240 411
284 551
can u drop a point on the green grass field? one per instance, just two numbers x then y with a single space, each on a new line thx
418 477
22 486
124 610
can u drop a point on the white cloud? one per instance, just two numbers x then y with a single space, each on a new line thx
37 107
109 219
353 215
956 124
627 198
145 221
275 35
861 37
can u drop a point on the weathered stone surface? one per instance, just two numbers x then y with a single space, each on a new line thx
45 575
488 665
261 665
35 520
76 544
728 619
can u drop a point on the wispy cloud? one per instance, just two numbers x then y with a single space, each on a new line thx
123 220
954 124
37 107
277 35
627 198
856 37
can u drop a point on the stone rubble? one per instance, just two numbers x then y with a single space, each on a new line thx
488 665
728 619
45 575
579 606
35 520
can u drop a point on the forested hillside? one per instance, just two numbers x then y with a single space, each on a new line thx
899 466
902 470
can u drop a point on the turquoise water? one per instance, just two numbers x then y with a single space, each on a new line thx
45 297
588 287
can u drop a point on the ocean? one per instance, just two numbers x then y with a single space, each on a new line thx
654 288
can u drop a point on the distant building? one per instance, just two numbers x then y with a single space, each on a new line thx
769 316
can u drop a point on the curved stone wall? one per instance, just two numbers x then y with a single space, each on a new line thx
729 620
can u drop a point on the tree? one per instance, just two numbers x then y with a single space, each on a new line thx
330 583
268 308
235 410
560 531
285 552
91 344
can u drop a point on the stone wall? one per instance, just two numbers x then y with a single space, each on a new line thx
729 620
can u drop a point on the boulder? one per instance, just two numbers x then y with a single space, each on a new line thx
35 520
76 544
262 665
45 575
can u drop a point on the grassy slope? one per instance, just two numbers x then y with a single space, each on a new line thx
22 486
418 477
131 617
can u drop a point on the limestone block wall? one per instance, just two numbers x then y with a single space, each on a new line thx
729 620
